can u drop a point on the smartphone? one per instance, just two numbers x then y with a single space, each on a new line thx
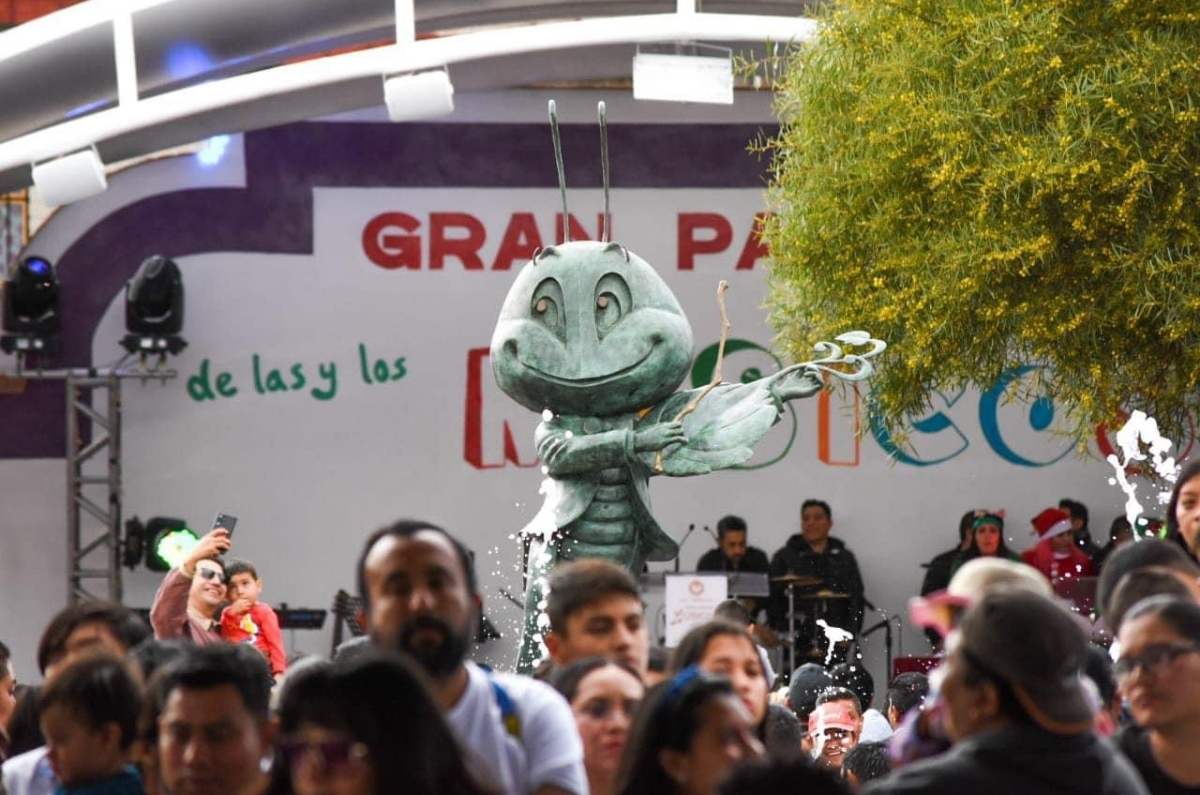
226 521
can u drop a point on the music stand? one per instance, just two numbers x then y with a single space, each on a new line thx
748 583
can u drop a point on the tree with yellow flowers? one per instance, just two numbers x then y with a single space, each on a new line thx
989 183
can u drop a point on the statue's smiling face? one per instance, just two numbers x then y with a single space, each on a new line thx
590 329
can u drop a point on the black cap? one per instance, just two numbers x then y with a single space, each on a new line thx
1039 649
806 684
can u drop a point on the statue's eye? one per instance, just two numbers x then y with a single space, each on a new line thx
613 302
546 306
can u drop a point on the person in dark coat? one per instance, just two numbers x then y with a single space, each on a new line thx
732 552
1120 533
937 571
1081 534
1018 710
814 553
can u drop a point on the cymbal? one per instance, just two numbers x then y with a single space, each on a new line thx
802 580
823 595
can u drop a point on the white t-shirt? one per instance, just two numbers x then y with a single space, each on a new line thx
875 727
768 669
29 774
548 751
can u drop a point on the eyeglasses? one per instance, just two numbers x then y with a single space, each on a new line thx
1153 659
332 755
839 736
601 708
211 574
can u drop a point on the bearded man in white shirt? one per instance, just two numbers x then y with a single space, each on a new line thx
420 595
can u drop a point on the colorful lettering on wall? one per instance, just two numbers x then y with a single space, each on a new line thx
267 377
934 437
479 374
401 241
833 428
394 240
712 233
1040 417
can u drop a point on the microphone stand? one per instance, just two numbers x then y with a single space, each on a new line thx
691 529
886 626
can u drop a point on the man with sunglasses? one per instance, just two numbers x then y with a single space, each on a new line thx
188 602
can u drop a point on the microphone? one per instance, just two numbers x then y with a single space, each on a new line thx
712 535
686 536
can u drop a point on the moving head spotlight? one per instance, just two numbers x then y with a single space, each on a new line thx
32 319
154 308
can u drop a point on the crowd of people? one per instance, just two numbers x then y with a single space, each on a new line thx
1026 699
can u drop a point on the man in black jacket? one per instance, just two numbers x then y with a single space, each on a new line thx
838 598
1015 703
938 570
732 552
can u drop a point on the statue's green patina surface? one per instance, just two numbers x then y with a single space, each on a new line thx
593 338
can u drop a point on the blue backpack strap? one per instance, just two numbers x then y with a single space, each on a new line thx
508 707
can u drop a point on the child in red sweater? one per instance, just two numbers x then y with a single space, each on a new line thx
247 620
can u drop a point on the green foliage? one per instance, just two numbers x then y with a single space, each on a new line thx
985 183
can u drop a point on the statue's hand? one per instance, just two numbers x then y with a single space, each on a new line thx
797 382
659 436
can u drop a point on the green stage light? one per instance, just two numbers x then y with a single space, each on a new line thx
171 541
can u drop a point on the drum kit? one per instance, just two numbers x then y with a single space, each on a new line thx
810 591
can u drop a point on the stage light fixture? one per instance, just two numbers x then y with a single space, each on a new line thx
686 73
171 541
70 178
154 308
32 319
420 95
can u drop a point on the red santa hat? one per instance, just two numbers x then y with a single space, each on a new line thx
1051 522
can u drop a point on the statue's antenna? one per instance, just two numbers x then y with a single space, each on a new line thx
605 224
562 175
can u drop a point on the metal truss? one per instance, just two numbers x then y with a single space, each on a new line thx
94 542
93 487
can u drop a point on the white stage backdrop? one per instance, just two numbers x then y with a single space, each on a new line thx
326 393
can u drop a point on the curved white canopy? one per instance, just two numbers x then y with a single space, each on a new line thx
135 76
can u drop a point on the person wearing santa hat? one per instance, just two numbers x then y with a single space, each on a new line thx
1055 554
